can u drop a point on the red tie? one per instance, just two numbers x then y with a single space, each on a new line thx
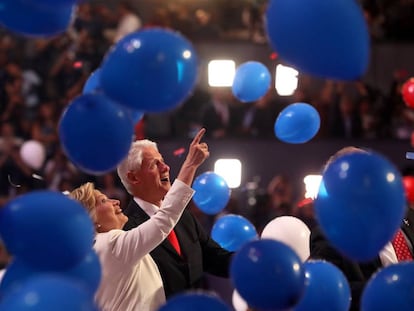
401 248
174 241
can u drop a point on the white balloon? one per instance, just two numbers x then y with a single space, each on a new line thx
238 302
33 153
289 230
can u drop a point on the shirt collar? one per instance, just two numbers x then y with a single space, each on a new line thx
149 208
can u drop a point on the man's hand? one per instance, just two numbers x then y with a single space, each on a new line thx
198 150
197 153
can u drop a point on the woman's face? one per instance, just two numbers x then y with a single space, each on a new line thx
108 213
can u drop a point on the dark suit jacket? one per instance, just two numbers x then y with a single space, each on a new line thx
199 253
357 273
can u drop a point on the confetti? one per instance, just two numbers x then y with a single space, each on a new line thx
179 152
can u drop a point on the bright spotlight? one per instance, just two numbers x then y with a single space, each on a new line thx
221 73
230 170
312 183
286 80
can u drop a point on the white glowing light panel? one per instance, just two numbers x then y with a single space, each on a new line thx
312 183
286 80
221 72
230 170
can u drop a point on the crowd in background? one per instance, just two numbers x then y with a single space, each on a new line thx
389 20
39 77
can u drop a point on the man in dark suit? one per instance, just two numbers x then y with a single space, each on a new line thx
145 176
358 273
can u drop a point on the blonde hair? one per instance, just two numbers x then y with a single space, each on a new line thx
85 194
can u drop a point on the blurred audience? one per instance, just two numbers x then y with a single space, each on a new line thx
129 20
60 174
274 201
259 117
40 76
222 116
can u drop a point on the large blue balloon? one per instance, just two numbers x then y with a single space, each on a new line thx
16 274
212 193
324 38
135 115
268 275
87 272
391 288
360 203
232 231
46 229
251 81
93 83
28 18
150 70
52 3
297 123
194 301
95 133
48 292
327 288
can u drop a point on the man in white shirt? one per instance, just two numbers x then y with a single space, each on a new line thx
146 176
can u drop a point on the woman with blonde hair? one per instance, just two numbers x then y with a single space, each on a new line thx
130 277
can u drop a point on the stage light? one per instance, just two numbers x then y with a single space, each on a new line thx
230 170
221 73
312 183
286 80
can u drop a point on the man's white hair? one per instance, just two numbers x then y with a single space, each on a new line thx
133 161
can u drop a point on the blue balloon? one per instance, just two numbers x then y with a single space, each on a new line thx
327 288
232 231
93 83
390 289
360 203
268 275
17 272
87 272
48 292
212 193
194 301
135 115
95 133
150 70
323 38
298 123
29 19
46 229
52 3
251 81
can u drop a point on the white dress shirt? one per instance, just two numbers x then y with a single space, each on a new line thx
130 278
149 208
387 255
